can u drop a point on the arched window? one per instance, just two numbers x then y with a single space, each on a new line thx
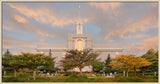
79 44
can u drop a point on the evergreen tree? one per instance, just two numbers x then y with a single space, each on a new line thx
6 58
107 61
7 53
49 66
50 53
151 56
107 68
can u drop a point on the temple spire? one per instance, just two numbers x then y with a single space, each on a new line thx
79 12
79 23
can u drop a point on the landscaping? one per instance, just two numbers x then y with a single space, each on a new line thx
29 67
75 78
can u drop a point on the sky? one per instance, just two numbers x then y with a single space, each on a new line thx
128 25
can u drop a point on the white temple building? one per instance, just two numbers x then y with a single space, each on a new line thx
78 41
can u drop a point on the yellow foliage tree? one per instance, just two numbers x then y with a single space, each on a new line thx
128 62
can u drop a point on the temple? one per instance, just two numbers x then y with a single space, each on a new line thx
78 41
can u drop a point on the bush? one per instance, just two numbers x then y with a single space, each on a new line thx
11 79
129 79
75 78
67 74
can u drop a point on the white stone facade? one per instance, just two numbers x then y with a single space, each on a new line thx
58 50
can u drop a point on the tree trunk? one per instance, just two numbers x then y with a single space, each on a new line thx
124 73
127 73
4 73
134 71
34 75
155 73
143 72
80 71
15 73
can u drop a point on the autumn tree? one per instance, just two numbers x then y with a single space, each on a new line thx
129 62
76 58
138 62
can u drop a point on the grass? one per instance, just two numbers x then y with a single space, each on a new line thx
75 78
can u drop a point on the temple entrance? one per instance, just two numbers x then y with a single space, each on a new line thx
79 44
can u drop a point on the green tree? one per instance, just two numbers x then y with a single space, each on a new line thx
107 68
94 60
50 53
15 63
49 65
151 56
99 66
34 61
76 58
6 58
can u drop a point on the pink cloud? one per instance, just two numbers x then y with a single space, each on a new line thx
44 15
9 42
149 43
19 19
144 23
106 7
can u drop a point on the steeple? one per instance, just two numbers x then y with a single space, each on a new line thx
79 24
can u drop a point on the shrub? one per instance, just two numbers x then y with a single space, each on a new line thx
129 79
12 79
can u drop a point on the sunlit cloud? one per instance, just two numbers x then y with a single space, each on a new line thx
19 19
45 15
142 24
115 24
12 42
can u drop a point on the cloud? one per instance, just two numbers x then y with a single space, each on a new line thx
45 15
19 19
107 6
141 24
110 7
10 42
149 43
119 24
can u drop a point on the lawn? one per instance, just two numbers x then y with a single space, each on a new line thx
75 78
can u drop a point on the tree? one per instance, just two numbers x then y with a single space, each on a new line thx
128 62
151 56
99 66
150 51
107 68
34 61
76 58
138 62
7 53
15 63
50 53
6 58
94 60
49 65
122 61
